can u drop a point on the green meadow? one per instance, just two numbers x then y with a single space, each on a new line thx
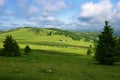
54 56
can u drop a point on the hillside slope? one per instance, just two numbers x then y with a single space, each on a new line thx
29 32
53 39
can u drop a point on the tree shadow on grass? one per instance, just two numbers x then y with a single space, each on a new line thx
52 44
54 52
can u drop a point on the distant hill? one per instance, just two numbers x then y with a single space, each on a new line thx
31 32
117 32
1 31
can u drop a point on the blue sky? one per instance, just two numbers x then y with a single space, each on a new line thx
63 14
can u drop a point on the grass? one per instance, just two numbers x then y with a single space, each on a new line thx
67 60
64 66
26 37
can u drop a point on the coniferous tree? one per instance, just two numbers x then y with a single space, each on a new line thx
105 49
27 49
11 47
89 51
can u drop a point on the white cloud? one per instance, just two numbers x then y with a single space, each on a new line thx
9 12
39 8
1 2
50 18
33 9
116 12
94 14
52 5
40 1
46 21
44 12
43 18
101 10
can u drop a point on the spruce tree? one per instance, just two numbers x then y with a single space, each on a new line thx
105 49
27 49
89 51
10 47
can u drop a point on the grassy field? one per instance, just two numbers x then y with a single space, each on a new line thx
27 37
52 59
53 65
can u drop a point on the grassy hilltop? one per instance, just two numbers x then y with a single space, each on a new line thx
56 55
51 39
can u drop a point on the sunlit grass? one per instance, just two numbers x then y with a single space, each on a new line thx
67 60
25 37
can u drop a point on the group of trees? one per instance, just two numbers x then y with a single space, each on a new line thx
11 47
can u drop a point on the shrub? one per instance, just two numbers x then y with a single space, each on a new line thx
89 51
27 49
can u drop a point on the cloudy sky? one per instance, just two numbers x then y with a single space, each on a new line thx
63 14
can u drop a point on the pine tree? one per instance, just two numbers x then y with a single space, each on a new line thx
11 47
27 49
105 49
89 51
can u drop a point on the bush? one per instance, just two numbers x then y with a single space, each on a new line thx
89 51
27 49
11 47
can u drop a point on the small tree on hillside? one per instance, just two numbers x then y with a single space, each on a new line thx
11 47
27 49
105 49
89 51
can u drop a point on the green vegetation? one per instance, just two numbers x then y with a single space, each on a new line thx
27 36
105 50
90 50
27 50
64 66
11 47
117 50
54 56
74 35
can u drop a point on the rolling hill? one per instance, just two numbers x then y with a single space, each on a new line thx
52 39
29 32
55 55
